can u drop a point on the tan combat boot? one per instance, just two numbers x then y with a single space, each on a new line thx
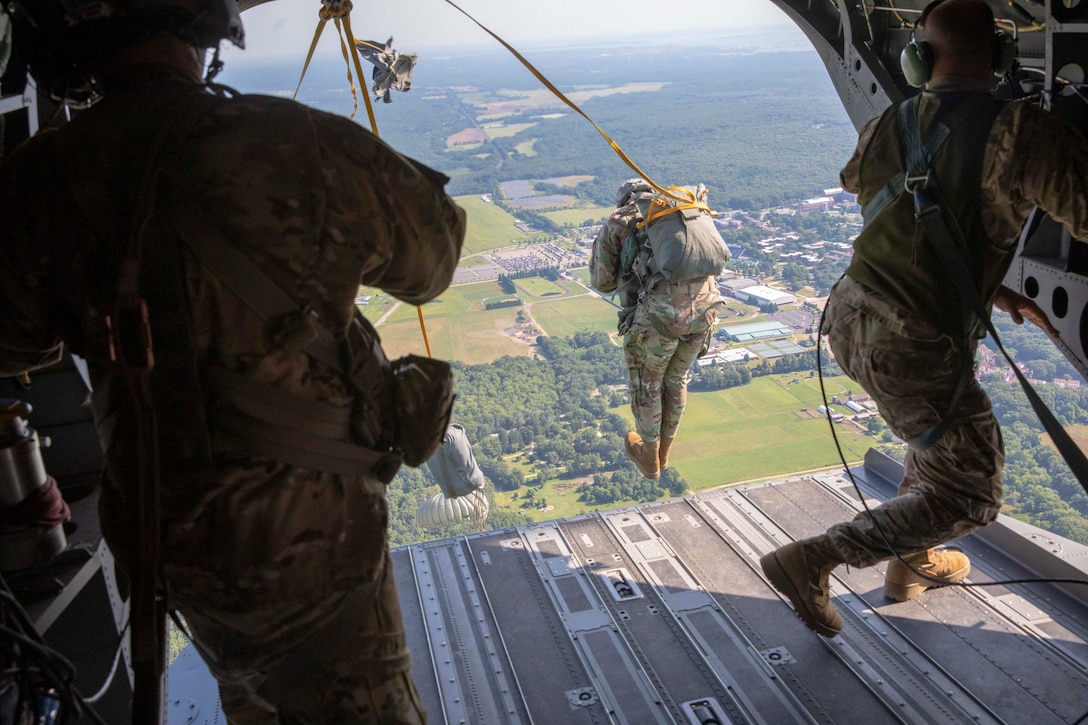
800 571
947 565
644 454
663 451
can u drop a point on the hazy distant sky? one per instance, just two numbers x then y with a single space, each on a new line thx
286 27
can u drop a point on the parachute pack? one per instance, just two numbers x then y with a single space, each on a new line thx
671 239
454 466
680 235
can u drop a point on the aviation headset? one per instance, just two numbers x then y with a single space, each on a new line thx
917 59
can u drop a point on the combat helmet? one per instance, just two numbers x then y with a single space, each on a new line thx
60 40
629 188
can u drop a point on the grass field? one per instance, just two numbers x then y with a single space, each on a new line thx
757 431
539 287
479 290
573 180
567 316
1079 434
525 148
581 273
472 338
578 215
489 226
474 261
507 131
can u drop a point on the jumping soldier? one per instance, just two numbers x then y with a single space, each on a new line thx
666 323
897 322
202 251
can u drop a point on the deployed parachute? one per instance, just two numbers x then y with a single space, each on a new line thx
455 470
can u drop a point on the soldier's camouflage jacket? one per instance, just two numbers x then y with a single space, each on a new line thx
1030 158
321 206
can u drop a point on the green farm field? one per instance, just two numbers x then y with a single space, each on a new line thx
757 431
489 226
579 214
507 131
540 287
564 317
471 338
525 148
478 291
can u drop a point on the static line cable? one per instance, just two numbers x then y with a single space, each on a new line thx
340 11
423 327
869 512
113 669
574 106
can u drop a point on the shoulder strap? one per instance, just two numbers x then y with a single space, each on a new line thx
295 327
917 155
946 236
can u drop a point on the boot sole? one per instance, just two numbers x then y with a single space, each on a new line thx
906 592
777 575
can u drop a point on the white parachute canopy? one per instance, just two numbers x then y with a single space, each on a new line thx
454 467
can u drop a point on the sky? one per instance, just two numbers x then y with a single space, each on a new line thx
286 27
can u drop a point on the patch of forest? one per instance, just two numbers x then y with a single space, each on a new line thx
536 420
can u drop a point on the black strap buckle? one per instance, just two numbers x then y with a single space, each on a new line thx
915 183
295 331
129 331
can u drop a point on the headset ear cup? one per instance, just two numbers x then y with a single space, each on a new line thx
916 60
1004 57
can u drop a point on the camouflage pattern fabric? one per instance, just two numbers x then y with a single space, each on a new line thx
671 329
354 688
604 259
910 368
1029 158
258 553
897 341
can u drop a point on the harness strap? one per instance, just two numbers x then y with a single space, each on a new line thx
295 447
918 155
295 328
946 235
918 175
275 405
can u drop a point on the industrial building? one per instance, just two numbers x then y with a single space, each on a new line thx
754 331
764 295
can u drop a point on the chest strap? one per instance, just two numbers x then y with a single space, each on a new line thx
918 151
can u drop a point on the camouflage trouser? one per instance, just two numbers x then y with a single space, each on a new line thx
911 369
264 567
345 689
664 341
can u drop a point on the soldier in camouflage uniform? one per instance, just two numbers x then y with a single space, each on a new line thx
666 328
262 553
891 324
